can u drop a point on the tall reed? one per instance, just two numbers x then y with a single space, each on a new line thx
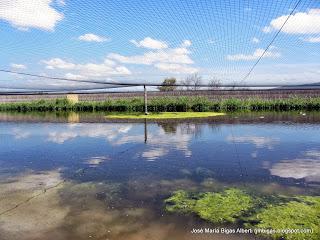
166 104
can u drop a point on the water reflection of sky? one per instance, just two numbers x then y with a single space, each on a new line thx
109 180
250 152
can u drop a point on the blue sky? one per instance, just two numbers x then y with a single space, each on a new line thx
150 40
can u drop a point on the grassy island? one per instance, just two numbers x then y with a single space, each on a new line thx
165 115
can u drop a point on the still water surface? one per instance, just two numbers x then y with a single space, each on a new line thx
87 178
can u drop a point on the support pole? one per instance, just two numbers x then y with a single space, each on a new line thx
145 100
145 131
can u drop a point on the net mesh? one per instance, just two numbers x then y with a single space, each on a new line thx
115 45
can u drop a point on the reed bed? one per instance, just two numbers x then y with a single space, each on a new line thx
165 104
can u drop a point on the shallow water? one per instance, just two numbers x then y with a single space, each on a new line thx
84 177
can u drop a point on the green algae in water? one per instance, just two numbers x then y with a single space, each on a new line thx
180 202
214 207
274 212
165 115
223 207
302 213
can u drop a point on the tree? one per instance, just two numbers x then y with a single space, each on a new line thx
192 82
214 83
186 83
196 80
168 84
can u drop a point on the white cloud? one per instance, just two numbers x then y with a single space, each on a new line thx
175 55
259 142
176 68
150 43
61 137
174 60
298 169
283 74
159 144
179 141
299 23
186 43
90 37
254 56
106 68
308 167
18 66
61 2
254 154
255 40
107 131
58 63
211 41
94 161
25 14
267 29
20 133
312 39
313 154
171 60
116 134
155 153
74 76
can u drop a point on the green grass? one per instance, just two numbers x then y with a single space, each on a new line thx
165 115
166 104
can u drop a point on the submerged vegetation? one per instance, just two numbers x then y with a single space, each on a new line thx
301 213
214 207
294 218
166 104
226 206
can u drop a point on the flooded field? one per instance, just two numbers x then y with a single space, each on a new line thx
84 177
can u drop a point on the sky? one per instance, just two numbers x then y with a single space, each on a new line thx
149 40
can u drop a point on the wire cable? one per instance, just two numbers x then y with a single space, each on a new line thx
271 42
60 78
122 84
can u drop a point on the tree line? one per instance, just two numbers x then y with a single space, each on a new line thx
191 82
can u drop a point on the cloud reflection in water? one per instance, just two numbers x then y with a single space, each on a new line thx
307 167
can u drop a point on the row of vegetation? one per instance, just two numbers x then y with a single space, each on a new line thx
166 104
272 212
191 82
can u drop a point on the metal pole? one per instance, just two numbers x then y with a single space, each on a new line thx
145 100
145 131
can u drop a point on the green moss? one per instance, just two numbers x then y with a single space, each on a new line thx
302 213
214 207
165 115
